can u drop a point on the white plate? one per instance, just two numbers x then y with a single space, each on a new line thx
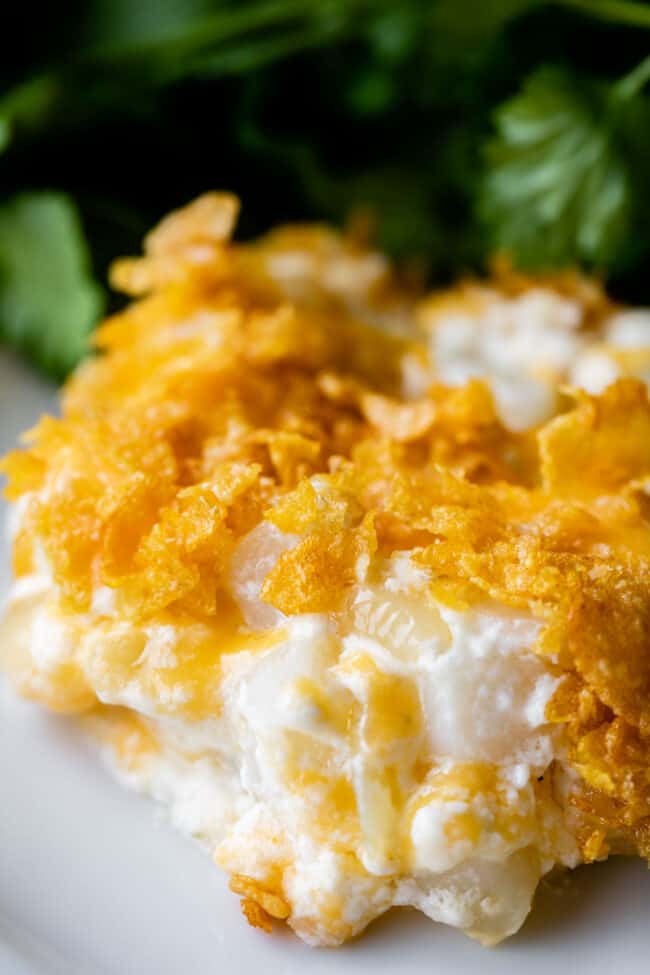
92 880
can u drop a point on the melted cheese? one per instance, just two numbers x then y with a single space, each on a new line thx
400 738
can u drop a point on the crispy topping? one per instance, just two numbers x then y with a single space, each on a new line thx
248 384
259 905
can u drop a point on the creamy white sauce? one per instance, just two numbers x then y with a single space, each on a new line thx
482 692
522 345
526 346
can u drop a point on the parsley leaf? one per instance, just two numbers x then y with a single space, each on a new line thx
563 172
479 24
49 302
26 106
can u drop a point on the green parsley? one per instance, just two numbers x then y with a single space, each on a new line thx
563 179
49 302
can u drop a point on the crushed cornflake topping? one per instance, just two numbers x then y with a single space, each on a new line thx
256 381
259 905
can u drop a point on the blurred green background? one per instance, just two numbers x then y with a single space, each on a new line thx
464 126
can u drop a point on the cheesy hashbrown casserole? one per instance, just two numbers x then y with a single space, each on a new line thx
356 582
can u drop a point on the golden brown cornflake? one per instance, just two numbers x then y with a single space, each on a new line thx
259 904
246 384
313 576
256 915
601 445
185 241
293 456
402 422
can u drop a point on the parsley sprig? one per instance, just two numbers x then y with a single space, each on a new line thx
567 170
